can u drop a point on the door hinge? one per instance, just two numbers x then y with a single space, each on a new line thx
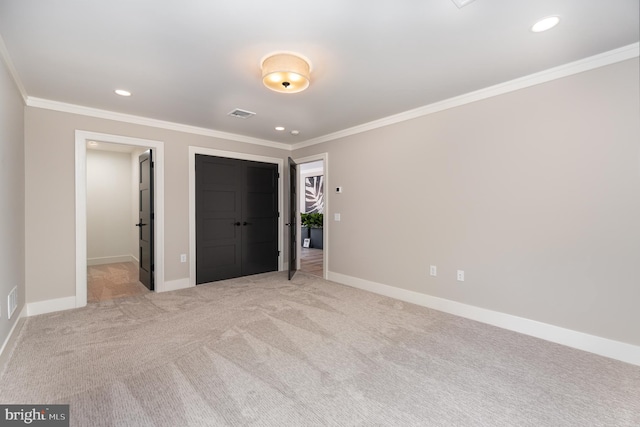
277 174
153 164
278 253
278 214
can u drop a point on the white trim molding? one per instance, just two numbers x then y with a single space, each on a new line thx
51 305
193 150
145 121
602 346
81 139
111 259
324 157
174 285
586 64
6 58
8 343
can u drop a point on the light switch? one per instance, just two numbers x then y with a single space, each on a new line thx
336 217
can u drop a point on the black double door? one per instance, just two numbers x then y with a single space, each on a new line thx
236 218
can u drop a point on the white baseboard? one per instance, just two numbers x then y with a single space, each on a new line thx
111 259
174 285
602 346
11 337
49 306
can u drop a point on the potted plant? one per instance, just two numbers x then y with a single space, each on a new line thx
315 223
304 227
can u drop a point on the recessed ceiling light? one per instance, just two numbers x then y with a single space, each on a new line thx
123 92
279 128
295 132
545 24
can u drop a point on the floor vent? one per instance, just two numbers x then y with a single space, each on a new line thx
241 114
12 301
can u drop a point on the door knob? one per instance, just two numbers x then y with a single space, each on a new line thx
237 224
246 223
140 225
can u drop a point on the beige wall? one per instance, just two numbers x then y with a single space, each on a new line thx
50 194
109 206
11 198
535 194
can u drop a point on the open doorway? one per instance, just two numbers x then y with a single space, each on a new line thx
119 237
86 255
312 205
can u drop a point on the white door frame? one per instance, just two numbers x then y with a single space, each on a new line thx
82 137
193 150
324 157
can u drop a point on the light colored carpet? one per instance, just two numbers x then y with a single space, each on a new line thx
262 351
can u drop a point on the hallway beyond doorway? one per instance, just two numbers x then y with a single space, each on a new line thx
311 261
110 281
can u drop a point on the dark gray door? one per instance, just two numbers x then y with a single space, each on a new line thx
259 217
145 224
293 216
218 218
236 218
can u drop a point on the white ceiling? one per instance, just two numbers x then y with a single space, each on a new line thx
193 61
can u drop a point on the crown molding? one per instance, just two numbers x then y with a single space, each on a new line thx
586 64
6 58
145 121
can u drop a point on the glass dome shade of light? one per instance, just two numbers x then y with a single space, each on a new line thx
285 73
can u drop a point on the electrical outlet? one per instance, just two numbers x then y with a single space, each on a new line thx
433 270
460 275
183 258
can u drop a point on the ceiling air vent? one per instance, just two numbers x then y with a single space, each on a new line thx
462 3
241 114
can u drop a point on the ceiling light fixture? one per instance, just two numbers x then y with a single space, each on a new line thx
285 72
545 24
123 92
280 128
